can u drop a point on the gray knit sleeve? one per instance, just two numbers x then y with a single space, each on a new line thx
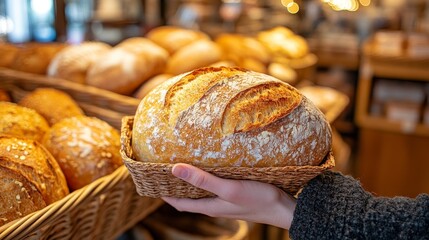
333 206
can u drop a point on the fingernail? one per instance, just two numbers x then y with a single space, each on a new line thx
180 172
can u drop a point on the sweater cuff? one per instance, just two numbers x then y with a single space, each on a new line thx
324 210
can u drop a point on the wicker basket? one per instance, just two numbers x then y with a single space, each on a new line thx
103 209
156 180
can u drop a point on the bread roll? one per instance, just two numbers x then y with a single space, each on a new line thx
35 57
151 84
86 149
7 53
283 72
174 38
20 121
72 62
127 66
30 176
229 117
54 105
246 52
281 41
198 54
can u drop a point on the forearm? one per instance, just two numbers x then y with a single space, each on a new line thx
333 206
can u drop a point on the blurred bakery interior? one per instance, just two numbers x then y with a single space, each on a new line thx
364 63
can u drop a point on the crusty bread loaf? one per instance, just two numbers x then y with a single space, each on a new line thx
72 62
20 121
282 42
128 65
8 53
246 52
173 38
31 178
36 57
229 117
54 105
198 54
86 149
150 84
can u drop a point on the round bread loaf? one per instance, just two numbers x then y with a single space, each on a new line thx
150 84
173 38
54 105
198 54
128 65
86 149
20 121
229 117
72 62
36 57
8 53
30 178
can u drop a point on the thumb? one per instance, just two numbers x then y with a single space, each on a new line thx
200 178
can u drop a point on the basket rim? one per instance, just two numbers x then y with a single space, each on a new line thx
66 84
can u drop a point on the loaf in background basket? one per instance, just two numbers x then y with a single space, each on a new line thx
232 122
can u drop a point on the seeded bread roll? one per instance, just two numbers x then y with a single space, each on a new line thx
54 105
229 117
86 149
73 62
30 178
20 121
128 65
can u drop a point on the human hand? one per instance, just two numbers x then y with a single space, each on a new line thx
237 199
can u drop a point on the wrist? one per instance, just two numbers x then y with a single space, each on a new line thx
282 212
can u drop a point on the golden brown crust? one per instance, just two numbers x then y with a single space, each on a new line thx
86 149
20 121
127 66
54 105
73 62
174 38
201 53
35 57
8 53
229 117
246 52
150 84
18 197
31 160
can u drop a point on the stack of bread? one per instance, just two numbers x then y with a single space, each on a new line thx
48 148
29 57
136 65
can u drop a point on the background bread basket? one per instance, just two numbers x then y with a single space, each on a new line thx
256 150
103 209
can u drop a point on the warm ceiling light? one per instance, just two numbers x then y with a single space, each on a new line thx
365 3
293 7
286 2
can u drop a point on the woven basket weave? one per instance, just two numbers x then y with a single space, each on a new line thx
156 180
103 209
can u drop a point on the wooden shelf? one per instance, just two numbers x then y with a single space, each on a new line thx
392 155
